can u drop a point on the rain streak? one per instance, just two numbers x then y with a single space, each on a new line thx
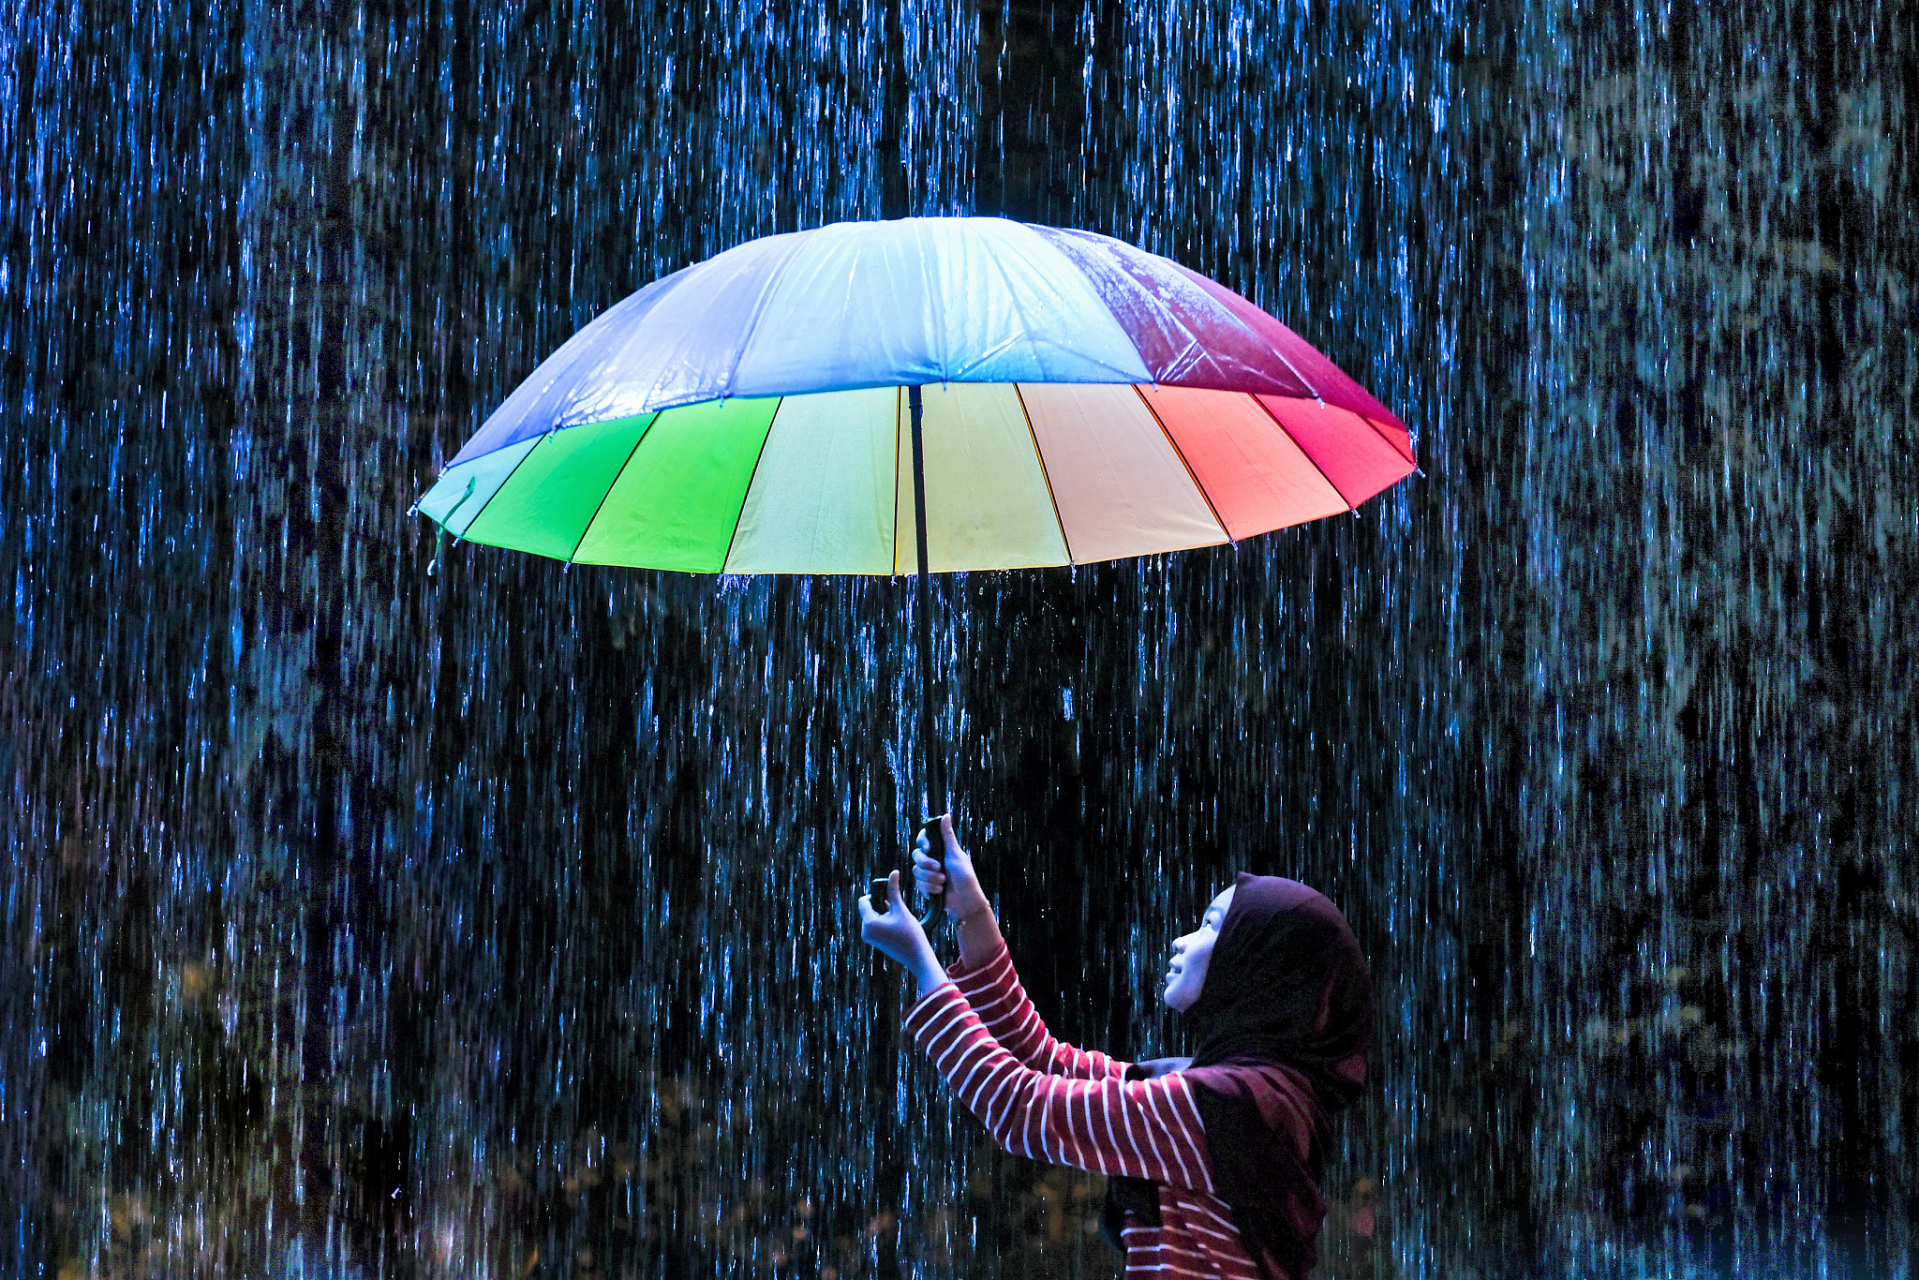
380 905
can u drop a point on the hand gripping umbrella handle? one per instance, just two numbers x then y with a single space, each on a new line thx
930 828
935 845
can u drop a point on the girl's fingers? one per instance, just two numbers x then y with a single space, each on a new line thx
929 876
951 846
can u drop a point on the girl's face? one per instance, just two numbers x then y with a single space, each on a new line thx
1192 953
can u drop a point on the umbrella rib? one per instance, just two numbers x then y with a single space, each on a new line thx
1045 475
767 290
1190 473
929 282
1304 451
1295 372
1406 453
461 535
747 492
611 485
1209 286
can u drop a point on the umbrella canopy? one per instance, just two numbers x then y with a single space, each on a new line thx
1083 401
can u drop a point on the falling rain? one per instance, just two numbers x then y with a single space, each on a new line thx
372 906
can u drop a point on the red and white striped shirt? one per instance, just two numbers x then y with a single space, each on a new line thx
1049 1101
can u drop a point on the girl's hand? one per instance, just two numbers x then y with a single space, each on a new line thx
897 935
952 872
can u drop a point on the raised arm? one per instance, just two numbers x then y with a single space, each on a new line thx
1110 1125
1093 1119
985 974
1000 1003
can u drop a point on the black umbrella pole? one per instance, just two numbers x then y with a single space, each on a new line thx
930 751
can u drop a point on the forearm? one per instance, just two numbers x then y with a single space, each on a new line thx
1144 1129
992 990
979 935
927 971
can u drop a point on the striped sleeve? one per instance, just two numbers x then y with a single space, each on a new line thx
1133 1128
993 990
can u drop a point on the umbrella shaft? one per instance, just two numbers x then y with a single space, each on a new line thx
929 745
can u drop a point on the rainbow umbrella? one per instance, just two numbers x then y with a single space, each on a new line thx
785 407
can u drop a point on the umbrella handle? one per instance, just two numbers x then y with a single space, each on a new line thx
877 886
936 903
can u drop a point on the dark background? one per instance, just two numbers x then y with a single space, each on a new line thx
373 907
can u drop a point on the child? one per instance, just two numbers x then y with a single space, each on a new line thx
1215 1160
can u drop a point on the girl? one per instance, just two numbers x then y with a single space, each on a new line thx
1214 1160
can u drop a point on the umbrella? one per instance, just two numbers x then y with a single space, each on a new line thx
913 397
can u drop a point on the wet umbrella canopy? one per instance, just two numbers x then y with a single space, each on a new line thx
357 921
763 411
1085 401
